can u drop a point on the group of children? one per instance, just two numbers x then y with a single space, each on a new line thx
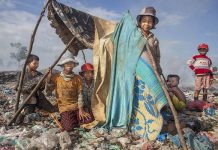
201 64
73 92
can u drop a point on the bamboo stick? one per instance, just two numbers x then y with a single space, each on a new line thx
56 120
29 52
175 115
84 57
39 83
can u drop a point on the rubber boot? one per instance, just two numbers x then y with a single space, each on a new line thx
205 97
195 98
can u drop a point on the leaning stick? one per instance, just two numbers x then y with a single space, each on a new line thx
56 120
84 56
39 83
175 115
29 52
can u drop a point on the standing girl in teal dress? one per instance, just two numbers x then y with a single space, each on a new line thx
136 96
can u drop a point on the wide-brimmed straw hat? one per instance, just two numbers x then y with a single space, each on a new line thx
66 60
148 11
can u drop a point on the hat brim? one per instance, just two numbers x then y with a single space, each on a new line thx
62 64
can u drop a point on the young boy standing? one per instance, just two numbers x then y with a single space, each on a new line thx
201 65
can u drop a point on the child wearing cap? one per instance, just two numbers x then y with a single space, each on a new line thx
147 21
87 73
68 88
201 65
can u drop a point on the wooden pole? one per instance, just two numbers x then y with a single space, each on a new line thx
175 115
39 83
29 52
84 56
56 121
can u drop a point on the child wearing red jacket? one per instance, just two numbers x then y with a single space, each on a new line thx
202 66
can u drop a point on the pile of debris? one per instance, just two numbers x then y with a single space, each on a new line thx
8 76
40 131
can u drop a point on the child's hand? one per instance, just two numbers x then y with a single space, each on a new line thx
189 62
83 115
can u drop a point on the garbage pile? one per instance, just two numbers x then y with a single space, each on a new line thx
40 131
8 76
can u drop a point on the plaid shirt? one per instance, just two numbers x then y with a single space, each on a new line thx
87 94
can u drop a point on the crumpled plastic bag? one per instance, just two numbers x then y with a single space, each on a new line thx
118 132
38 129
87 135
6 141
114 147
99 132
22 143
124 141
64 140
47 141
195 142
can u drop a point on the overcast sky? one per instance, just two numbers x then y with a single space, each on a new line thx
183 24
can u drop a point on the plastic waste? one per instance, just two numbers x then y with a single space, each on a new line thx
46 141
22 143
64 140
118 132
38 129
124 141
210 112
31 117
195 142
162 137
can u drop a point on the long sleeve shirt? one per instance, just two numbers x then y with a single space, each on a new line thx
68 93
200 64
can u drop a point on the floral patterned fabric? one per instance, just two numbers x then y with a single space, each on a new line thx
148 100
